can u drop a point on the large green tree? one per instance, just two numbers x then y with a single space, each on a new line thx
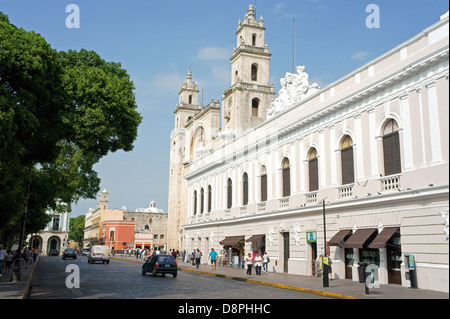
60 113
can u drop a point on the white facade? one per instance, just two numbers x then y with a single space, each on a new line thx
374 146
55 234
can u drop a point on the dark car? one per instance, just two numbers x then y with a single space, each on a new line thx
53 252
69 253
163 264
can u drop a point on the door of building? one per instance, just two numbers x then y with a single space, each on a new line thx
348 263
313 257
394 259
286 251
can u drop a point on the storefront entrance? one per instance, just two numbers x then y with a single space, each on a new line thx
313 257
286 252
349 258
394 259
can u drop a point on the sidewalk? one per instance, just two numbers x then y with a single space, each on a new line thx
16 290
342 288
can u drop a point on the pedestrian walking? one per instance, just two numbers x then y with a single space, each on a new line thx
213 257
35 253
249 262
265 262
29 254
258 260
2 259
198 256
8 260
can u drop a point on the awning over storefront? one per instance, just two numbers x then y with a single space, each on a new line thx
359 238
383 237
336 239
254 238
231 241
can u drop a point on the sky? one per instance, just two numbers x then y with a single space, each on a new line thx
158 41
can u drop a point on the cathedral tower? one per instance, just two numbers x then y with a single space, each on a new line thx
245 102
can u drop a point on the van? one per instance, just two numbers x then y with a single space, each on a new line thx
99 253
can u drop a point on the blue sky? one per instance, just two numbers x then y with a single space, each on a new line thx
157 42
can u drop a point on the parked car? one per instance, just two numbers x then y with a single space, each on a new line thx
53 252
163 264
85 252
99 253
69 253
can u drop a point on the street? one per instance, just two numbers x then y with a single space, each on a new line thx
123 280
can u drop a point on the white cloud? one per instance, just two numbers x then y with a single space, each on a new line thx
213 53
361 55
279 7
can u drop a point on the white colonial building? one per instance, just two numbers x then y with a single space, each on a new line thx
55 234
371 149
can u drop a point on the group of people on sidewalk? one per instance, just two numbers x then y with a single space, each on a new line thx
250 261
257 260
7 258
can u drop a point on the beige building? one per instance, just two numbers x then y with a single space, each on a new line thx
151 227
94 219
372 149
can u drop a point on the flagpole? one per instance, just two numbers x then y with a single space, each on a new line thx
293 48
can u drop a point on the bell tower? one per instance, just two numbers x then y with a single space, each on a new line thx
246 101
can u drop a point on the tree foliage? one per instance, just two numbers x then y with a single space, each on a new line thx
76 226
60 113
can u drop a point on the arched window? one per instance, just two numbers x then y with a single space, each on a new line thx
263 184
313 170
245 189
347 163
255 107
391 149
202 201
209 198
254 72
190 99
195 203
254 39
229 193
286 175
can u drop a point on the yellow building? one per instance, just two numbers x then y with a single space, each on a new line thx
94 218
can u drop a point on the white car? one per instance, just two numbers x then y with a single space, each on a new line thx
99 253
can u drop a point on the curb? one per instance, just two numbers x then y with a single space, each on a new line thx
264 283
30 278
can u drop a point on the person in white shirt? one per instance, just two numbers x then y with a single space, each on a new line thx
265 262
249 262
258 260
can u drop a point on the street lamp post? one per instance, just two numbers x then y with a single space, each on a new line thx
324 266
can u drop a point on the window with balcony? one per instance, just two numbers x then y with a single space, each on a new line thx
229 193
391 149
195 203
202 201
245 189
263 184
347 163
313 170
209 198
286 175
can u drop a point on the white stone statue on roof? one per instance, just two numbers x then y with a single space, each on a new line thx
295 87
